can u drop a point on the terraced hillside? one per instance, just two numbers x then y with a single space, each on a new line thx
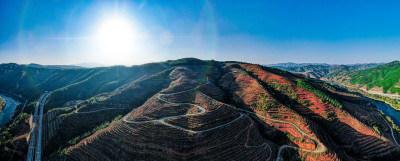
69 84
190 109
244 112
382 79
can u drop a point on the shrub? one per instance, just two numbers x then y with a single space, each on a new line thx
81 137
377 129
324 96
306 103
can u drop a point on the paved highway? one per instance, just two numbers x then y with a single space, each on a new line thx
384 94
40 129
35 140
370 92
32 137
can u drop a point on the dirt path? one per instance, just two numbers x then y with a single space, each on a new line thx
77 111
201 109
391 129
320 147
390 126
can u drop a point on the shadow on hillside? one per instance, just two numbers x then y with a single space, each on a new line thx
331 127
344 134
183 149
367 108
324 137
267 131
126 98
77 124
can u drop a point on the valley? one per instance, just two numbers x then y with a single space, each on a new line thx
383 80
318 71
7 107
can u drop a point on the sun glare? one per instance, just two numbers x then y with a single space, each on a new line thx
116 40
116 34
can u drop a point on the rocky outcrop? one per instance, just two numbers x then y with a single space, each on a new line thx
2 103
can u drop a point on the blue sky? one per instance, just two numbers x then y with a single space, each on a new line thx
264 32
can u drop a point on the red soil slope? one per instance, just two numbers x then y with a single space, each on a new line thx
239 140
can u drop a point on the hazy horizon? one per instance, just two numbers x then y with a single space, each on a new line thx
95 64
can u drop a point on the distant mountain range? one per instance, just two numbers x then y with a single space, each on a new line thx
54 66
383 79
381 83
291 65
75 66
319 70
90 65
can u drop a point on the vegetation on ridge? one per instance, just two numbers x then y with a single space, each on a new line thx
321 70
386 76
319 93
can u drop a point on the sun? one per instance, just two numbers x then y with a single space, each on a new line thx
115 34
118 39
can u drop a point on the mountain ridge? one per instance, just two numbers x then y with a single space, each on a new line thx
319 71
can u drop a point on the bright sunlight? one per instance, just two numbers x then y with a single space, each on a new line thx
116 40
116 34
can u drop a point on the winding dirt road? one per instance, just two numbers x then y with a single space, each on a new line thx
77 111
320 147
201 109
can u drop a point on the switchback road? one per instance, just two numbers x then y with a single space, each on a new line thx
320 147
201 109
